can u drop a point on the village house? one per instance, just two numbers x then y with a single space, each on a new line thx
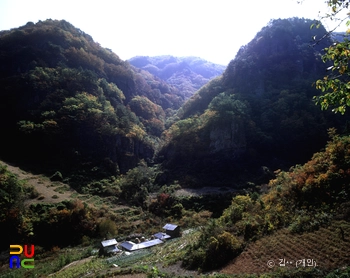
132 246
109 247
172 230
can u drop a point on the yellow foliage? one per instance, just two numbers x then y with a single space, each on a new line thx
213 243
279 208
227 239
136 132
242 200
50 123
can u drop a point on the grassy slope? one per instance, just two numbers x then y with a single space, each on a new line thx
44 187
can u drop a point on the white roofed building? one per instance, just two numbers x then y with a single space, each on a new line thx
131 246
109 247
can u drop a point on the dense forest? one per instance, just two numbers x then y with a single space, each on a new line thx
260 112
134 133
75 105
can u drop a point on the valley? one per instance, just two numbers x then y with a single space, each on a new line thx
240 158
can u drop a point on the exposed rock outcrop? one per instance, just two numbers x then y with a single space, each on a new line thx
229 140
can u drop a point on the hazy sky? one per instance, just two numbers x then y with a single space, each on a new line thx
211 29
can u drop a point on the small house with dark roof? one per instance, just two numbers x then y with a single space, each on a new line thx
172 230
109 247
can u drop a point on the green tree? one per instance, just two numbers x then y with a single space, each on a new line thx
11 191
11 207
107 228
335 86
227 106
136 184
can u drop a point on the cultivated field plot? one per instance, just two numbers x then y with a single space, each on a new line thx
127 258
325 247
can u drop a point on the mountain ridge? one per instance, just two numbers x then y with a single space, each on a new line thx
71 101
259 112
187 73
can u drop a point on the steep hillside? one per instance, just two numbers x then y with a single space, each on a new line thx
302 214
323 249
187 74
68 104
260 112
34 206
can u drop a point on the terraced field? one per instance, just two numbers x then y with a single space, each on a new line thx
128 219
48 191
325 247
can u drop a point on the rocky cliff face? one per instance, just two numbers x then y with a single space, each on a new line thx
129 151
229 140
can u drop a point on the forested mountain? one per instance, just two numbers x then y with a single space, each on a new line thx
69 104
260 112
187 74
129 143
74 106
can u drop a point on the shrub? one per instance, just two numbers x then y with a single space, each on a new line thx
136 184
31 192
194 258
107 228
213 252
309 222
343 272
64 259
57 176
221 250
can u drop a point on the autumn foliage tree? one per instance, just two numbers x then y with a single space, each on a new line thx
68 98
150 114
303 199
335 86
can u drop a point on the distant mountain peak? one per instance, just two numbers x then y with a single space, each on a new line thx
187 73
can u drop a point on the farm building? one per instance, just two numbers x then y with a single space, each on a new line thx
172 230
109 247
131 246
161 236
